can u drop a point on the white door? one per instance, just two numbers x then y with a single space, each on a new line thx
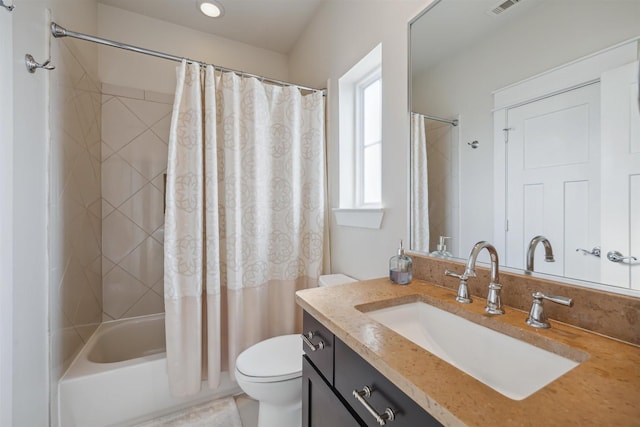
553 183
621 175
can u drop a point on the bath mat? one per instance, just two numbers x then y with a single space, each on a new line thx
221 412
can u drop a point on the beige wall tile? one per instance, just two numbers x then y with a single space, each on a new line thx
164 98
145 208
145 263
120 236
147 154
134 161
162 128
150 303
123 126
119 180
147 111
128 92
120 291
74 213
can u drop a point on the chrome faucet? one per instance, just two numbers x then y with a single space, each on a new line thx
494 301
548 251
537 317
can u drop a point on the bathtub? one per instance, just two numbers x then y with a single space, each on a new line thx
119 378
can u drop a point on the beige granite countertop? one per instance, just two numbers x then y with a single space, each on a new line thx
603 390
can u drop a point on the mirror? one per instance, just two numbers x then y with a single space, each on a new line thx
528 124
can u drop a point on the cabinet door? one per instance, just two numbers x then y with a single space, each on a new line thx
322 340
353 373
320 406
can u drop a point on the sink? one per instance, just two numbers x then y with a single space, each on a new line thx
514 368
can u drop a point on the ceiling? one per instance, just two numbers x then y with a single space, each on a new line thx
270 24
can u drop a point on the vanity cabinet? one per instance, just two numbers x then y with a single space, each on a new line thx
330 376
320 405
321 339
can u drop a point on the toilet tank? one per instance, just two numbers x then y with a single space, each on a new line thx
334 279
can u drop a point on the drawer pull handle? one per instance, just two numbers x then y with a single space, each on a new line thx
307 340
387 415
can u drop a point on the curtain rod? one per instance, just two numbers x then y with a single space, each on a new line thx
57 31
453 122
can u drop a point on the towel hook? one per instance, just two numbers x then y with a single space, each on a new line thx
9 8
32 65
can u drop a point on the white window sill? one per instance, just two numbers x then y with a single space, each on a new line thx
361 218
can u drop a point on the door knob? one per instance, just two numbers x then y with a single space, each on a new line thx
595 251
615 256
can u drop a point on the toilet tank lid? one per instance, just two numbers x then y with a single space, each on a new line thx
275 357
335 279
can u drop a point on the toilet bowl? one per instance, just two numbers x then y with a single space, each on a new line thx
271 373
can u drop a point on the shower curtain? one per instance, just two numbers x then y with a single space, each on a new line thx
419 185
244 221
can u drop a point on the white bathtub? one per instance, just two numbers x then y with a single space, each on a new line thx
119 378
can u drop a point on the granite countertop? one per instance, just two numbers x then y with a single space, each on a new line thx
604 389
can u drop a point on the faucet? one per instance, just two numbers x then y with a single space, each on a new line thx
548 251
537 317
494 301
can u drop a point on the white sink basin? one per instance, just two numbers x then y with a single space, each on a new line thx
511 367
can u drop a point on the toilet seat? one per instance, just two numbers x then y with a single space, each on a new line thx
272 360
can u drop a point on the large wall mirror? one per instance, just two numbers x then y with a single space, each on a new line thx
525 122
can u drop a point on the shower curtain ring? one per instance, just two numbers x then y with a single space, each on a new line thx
32 64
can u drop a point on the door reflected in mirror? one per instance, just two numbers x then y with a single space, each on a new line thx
527 124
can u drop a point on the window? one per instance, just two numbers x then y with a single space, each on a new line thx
368 144
360 144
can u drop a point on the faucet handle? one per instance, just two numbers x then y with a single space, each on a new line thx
463 291
537 317
557 299
454 274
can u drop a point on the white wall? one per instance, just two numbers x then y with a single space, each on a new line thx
30 258
341 34
138 71
35 296
463 83
6 218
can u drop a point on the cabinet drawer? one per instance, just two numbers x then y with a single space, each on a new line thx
352 372
320 339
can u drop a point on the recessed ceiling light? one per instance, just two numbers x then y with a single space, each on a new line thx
211 8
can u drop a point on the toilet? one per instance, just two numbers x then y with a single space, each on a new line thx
271 373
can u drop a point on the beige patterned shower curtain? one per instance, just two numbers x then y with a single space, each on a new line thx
419 185
245 218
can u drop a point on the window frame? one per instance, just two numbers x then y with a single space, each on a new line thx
360 86
349 213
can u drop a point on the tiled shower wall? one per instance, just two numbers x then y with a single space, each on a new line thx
442 164
74 205
135 134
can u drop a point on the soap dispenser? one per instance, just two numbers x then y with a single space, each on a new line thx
441 249
400 267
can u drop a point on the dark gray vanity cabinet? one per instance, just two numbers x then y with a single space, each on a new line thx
333 373
321 407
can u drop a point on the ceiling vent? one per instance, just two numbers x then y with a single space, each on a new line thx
503 6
